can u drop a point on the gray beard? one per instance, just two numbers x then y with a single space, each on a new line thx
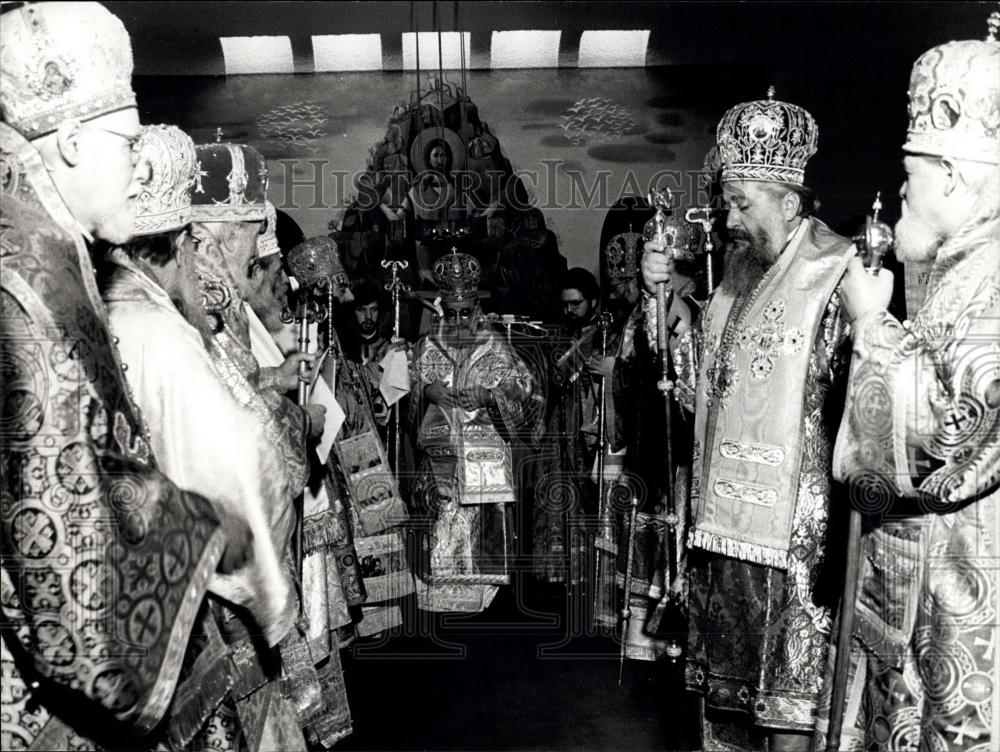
188 304
746 262
916 240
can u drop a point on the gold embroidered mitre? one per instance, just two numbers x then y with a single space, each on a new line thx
955 100
165 201
621 256
766 140
60 61
230 184
457 276
267 242
316 261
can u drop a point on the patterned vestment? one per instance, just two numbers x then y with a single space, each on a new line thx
565 494
464 485
331 581
106 562
639 426
302 703
759 634
367 487
176 386
923 423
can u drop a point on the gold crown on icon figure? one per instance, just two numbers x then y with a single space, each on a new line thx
165 201
60 61
955 100
457 276
766 140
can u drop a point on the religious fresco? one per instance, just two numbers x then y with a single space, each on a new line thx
578 139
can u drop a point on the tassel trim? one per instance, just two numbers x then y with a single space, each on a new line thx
739 549
191 712
889 646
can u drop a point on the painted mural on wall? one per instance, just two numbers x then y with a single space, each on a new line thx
576 139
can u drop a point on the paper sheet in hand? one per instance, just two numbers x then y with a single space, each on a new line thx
395 376
322 395
317 369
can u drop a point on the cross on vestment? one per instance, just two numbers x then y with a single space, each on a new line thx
146 620
957 419
143 575
672 329
34 534
175 558
963 731
7 685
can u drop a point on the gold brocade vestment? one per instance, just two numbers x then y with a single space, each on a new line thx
465 480
105 562
923 423
759 633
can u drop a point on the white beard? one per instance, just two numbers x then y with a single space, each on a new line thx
116 228
916 240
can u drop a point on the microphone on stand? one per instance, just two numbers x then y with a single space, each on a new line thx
511 319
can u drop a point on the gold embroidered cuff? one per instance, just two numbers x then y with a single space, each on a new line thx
649 314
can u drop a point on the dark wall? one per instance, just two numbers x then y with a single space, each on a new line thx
182 37
848 63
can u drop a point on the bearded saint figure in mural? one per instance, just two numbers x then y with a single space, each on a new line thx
471 397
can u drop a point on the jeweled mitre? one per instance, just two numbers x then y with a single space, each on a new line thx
316 261
267 242
165 201
230 184
60 61
766 140
955 101
621 256
457 276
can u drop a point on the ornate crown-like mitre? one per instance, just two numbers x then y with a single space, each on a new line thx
230 184
955 100
766 140
165 201
457 276
315 261
61 61
267 243
621 256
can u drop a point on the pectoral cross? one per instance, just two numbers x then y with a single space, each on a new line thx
672 329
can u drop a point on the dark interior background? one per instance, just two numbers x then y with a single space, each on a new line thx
848 63
486 681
